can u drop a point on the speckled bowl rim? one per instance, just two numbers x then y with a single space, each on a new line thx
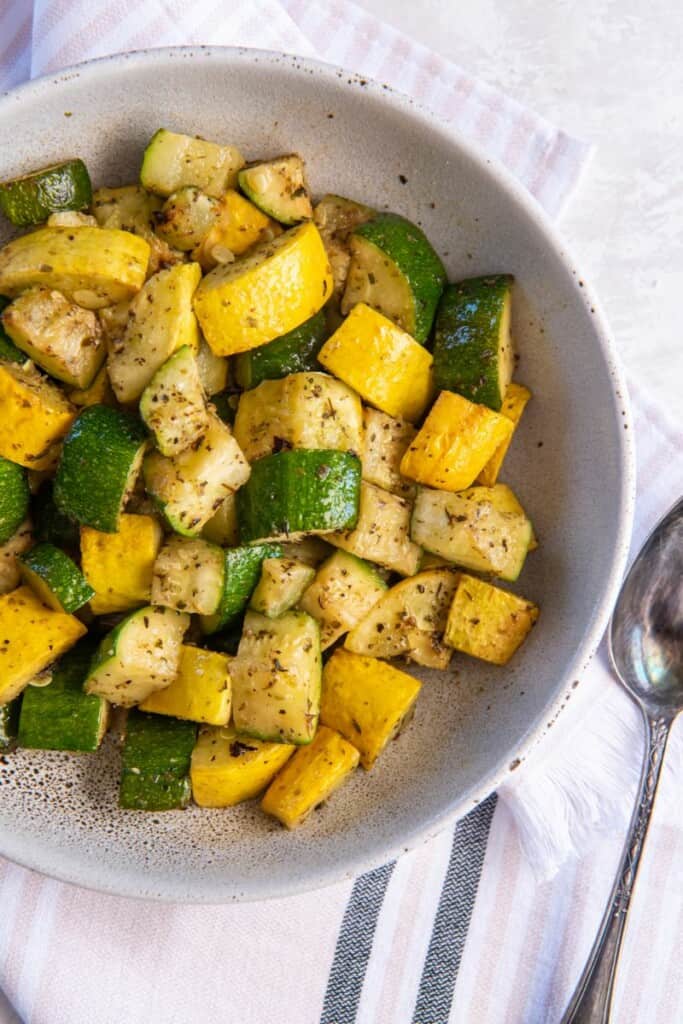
102 877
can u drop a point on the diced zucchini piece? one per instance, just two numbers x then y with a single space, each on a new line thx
65 340
335 218
189 575
9 724
276 678
98 393
10 577
119 566
310 550
473 529
385 442
186 217
14 498
454 443
283 581
304 410
240 225
487 622
155 762
31 637
381 362
33 197
278 187
227 769
60 716
201 692
190 487
162 321
222 526
295 352
55 578
141 655
506 500
172 161
382 532
132 208
35 417
514 403
279 285
473 353
344 590
297 492
214 371
242 569
310 777
367 701
409 620
94 267
395 270
173 404
100 462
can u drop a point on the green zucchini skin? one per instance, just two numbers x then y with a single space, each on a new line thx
294 352
60 716
9 723
50 523
410 249
100 451
32 198
470 356
64 585
299 492
242 573
9 352
14 498
156 762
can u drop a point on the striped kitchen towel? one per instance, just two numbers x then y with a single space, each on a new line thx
462 929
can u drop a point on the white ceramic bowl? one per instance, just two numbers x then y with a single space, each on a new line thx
571 466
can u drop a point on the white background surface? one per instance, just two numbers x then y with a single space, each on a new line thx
610 72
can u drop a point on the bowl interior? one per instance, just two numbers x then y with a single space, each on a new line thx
569 465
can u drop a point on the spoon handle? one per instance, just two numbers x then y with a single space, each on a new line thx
592 999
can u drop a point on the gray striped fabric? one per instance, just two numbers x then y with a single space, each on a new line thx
451 923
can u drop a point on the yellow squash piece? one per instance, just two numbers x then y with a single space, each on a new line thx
99 392
487 622
34 417
227 768
240 225
278 286
387 367
310 777
514 403
201 692
119 566
31 638
161 322
95 267
366 700
454 444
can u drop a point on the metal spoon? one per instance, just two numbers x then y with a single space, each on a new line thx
646 650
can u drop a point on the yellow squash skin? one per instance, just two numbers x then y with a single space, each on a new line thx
240 225
118 566
366 700
310 777
387 367
514 403
94 267
487 622
278 286
227 768
35 417
454 444
31 637
201 692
